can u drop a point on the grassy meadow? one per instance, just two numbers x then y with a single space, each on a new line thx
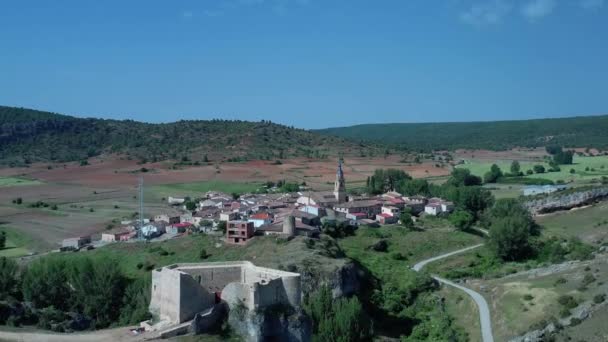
589 224
599 164
198 188
16 181
17 243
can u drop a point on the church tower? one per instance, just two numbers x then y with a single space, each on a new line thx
340 186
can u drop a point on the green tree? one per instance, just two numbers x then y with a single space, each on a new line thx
8 278
135 302
221 226
339 320
414 187
515 168
463 177
512 230
2 240
539 169
190 205
493 175
406 220
386 180
462 219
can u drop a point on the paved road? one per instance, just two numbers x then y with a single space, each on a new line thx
423 263
484 310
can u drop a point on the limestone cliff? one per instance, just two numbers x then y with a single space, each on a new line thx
274 323
566 201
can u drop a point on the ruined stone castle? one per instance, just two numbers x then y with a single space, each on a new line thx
181 291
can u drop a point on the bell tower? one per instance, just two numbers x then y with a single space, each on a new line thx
340 185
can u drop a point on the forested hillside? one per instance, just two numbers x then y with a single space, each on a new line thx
30 136
588 131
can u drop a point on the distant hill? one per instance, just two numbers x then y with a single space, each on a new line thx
584 131
35 136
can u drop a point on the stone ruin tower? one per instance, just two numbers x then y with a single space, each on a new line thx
289 226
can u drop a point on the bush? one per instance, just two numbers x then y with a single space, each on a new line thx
567 301
588 279
380 246
203 254
528 297
539 169
398 256
599 298
561 280
575 321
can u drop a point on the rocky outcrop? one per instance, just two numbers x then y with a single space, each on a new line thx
344 279
566 201
273 323
209 320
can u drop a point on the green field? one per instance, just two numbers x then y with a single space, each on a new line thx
16 243
264 251
590 224
414 245
16 181
599 163
198 188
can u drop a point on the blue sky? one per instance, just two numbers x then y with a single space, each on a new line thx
307 63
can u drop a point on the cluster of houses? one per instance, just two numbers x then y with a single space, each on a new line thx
299 213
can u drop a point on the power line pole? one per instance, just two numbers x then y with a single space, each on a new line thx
141 204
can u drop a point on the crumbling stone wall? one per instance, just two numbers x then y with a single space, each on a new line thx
181 291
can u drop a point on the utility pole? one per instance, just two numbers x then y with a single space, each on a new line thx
141 205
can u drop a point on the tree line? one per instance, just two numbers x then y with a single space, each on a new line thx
66 294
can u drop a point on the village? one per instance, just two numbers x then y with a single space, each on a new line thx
300 213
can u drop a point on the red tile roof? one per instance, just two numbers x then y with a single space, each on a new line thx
260 216
182 225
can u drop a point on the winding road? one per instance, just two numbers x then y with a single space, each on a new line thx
484 309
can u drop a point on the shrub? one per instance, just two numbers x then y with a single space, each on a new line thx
574 321
588 279
203 254
599 298
528 297
398 256
380 246
561 280
567 301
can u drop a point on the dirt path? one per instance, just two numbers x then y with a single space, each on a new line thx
119 334
484 310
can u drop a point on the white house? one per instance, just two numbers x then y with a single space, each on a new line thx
228 216
447 207
433 209
176 200
150 231
390 210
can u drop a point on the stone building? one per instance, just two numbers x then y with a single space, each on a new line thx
181 291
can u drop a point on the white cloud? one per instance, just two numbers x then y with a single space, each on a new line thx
592 4
488 13
538 9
